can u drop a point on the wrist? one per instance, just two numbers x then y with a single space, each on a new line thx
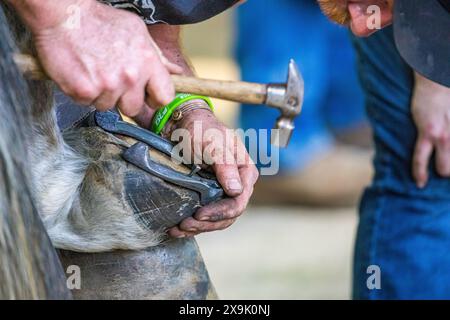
184 116
168 40
187 117
195 115
430 89
179 108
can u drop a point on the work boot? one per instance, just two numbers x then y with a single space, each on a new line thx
333 179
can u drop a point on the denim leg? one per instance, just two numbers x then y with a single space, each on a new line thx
270 32
403 230
344 105
408 238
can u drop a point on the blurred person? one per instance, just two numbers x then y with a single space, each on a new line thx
403 235
314 168
404 226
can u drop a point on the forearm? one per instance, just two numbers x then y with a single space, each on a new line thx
168 40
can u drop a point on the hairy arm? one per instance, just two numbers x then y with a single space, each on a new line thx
86 48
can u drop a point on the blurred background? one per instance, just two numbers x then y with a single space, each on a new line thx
296 239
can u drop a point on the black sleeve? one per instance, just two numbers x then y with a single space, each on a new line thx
174 12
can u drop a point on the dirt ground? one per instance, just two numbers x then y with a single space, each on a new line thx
290 253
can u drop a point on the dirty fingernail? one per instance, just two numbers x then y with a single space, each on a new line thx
214 218
234 184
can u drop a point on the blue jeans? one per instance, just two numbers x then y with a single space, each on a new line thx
270 32
403 230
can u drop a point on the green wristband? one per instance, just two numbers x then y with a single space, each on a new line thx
162 115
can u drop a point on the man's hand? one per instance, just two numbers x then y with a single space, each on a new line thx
99 55
431 113
234 169
237 174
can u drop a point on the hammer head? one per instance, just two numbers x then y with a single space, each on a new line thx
288 98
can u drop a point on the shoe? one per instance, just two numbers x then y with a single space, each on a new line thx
333 179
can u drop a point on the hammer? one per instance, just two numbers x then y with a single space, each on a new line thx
286 97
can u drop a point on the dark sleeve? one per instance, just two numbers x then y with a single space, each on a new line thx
174 12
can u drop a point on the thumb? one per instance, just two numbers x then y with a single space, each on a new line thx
227 172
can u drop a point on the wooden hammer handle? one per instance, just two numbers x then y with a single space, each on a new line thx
30 66
243 92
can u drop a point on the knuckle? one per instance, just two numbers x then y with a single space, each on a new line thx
242 206
432 130
173 233
80 88
137 99
238 213
237 209
149 54
67 89
255 173
231 213
108 84
129 109
85 92
131 105
443 138
188 225
130 76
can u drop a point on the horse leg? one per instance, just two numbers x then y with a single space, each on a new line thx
29 266
171 271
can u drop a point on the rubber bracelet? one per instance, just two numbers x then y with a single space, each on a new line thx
162 115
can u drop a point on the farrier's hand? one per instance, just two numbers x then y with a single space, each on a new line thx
232 165
100 55
431 113
237 174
